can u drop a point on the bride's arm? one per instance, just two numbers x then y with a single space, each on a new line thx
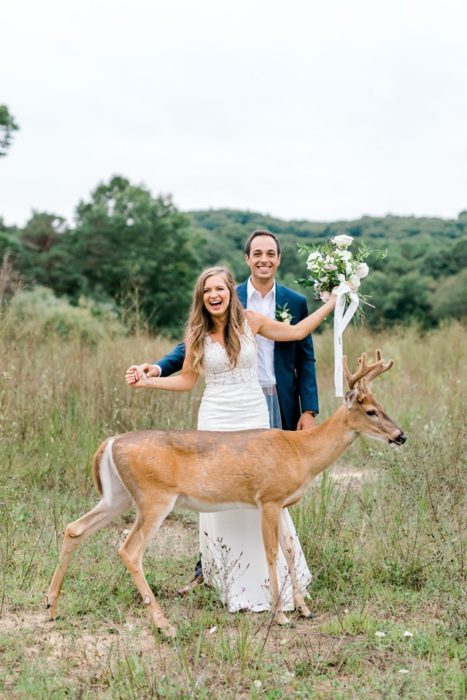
283 332
184 381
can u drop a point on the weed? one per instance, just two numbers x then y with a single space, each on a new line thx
387 553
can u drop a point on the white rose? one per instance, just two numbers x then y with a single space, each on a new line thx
342 241
362 270
315 255
344 254
355 282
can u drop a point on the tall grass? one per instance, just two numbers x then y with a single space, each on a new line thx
386 554
408 527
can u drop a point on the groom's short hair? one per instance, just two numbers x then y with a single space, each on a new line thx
261 232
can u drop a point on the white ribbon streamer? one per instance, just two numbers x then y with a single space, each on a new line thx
342 318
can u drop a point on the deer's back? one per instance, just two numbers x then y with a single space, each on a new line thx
205 466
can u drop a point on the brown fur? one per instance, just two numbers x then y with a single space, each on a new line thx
269 469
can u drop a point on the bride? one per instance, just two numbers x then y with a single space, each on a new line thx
220 340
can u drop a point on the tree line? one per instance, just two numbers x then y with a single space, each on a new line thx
139 252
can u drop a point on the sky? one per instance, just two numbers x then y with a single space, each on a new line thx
300 109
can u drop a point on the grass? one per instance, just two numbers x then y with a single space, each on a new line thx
387 552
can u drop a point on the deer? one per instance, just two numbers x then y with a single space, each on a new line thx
155 471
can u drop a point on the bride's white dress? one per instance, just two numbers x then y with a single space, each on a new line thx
231 544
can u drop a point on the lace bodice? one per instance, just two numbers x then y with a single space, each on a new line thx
217 365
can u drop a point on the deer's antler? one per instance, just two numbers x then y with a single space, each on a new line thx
366 372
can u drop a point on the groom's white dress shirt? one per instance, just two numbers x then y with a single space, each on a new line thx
267 306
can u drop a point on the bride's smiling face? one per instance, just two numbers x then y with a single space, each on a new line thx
216 296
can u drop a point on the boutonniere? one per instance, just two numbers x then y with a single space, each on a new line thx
283 314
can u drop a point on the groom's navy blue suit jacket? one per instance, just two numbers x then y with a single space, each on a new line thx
294 362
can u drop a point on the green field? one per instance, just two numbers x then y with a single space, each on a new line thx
384 536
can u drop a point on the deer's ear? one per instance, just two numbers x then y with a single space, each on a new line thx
350 398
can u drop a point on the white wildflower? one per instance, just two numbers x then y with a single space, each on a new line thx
257 684
380 635
342 241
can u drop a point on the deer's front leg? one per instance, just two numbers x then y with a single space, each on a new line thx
288 549
270 513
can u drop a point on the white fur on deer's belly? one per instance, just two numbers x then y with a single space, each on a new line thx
206 507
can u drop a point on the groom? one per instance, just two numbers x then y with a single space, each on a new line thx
286 370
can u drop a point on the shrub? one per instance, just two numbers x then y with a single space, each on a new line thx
38 314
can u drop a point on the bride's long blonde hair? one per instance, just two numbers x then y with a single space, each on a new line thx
200 323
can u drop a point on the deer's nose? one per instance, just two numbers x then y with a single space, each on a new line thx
399 440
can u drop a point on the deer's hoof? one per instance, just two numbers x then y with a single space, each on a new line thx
52 609
310 616
281 619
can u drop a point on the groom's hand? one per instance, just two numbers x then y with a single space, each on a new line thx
306 421
136 372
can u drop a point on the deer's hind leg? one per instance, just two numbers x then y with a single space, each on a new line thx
151 515
106 510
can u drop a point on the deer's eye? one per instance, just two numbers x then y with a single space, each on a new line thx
371 412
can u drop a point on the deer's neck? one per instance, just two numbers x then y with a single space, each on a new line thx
321 446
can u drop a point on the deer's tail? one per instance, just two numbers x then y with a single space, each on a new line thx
96 464
107 479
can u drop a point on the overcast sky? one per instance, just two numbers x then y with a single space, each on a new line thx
298 108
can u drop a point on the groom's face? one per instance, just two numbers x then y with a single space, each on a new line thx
263 259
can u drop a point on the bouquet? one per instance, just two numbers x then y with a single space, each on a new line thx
332 265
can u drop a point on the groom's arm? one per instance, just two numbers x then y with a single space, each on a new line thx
172 362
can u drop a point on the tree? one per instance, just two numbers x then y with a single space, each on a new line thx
45 258
127 242
450 297
7 126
